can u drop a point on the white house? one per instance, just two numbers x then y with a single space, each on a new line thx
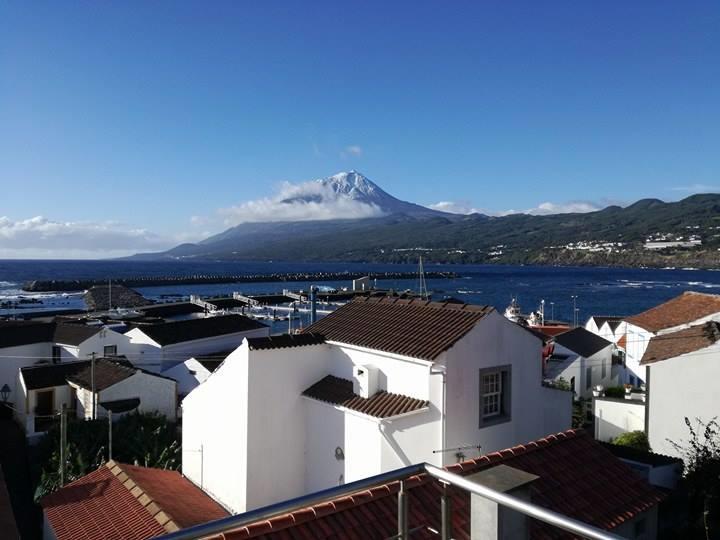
376 385
683 368
46 388
26 343
584 360
681 312
194 371
159 346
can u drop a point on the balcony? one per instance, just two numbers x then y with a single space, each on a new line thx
500 507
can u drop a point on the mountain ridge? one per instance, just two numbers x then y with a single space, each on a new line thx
610 236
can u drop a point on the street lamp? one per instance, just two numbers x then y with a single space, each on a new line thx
5 392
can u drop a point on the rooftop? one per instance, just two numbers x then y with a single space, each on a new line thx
414 328
383 404
582 342
285 341
119 502
613 321
684 309
578 477
169 333
686 341
17 333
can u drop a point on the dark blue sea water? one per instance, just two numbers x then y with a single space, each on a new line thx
599 291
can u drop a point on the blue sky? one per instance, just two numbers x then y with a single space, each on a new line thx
121 121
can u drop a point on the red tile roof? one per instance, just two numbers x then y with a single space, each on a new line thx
118 502
684 309
381 405
179 498
578 477
98 507
415 328
681 342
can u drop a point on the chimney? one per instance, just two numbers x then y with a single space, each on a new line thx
491 521
365 381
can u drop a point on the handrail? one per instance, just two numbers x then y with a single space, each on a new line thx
241 520
532 510
529 509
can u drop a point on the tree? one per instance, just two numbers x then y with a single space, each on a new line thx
702 474
148 440
633 439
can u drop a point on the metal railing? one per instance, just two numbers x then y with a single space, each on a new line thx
446 478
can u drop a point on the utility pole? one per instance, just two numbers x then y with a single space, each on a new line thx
109 294
552 311
63 444
92 385
109 435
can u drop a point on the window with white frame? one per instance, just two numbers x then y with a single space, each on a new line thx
492 394
494 406
110 350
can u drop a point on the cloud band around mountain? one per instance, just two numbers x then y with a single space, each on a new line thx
305 201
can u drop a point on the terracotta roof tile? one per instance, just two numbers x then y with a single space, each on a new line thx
578 477
684 309
415 328
686 341
118 502
383 404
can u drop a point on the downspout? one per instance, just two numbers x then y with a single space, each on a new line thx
442 370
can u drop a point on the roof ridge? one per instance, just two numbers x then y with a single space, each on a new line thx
165 520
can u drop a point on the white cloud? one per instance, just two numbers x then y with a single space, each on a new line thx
543 209
455 207
352 151
300 202
42 237
697 188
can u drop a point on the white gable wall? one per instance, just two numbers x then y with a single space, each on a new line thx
156 394
214 435
496 342
685 386
14 358
277 420
188 375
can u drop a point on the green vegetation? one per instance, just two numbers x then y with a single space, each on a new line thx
702 475
633 439
615 392
148 440
513 239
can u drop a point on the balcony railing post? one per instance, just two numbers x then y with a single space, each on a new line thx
403 533
445 513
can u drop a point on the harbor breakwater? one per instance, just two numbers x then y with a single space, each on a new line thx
67 285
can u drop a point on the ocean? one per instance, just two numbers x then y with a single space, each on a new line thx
598 291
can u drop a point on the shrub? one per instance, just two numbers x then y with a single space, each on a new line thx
615 392
633 439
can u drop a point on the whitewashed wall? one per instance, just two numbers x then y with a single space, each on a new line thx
614 417
14 358
189 375
686 386
637 342
156 394
576 366
496 341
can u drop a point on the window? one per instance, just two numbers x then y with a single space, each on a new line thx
494 407
110 350
572 384
56 354
588 377
492 392
604 368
